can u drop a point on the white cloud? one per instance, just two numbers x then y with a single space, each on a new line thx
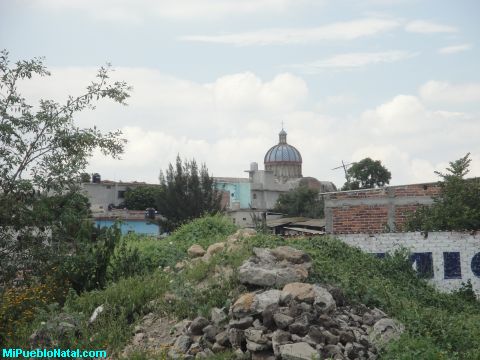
447 50
199 10
349 30
233 120
429 27
445 92
355 60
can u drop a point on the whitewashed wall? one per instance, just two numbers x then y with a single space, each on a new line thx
438 243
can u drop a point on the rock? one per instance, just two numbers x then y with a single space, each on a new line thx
95 314
291 254
267 269
316 334
327 321
218 316
298 351
209 332
337 294
250 273
243 306
236 337
180 265
257 324
372 316
330 338
300 326
195 251
246 232
138 338
346 337
298 291
282 321
256 336
197 325
215 248
323 299
216 348
241 323
267 315
333 352
263 355
182 344
265 299
222 338
240 355
279 337
255 347
182 326
194 349
263 255
384 331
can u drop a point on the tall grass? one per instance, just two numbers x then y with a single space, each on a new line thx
438 325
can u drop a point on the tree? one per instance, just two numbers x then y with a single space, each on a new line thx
457 207
142 197
367 174
186 193
85 177
42 156
301 201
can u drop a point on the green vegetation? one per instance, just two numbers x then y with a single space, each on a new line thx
301 201
42 156
438 326
186 193
457 207
366 174
142 197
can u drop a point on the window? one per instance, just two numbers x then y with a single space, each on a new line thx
244 219
254 196
121 194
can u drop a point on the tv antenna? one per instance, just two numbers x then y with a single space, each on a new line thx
344 166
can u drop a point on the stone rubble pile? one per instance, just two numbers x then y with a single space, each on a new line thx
300 322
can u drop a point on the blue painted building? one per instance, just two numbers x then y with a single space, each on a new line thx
236 192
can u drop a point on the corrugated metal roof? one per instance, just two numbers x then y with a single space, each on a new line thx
311 222
284 221
307 231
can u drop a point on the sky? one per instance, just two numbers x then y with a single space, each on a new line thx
394 80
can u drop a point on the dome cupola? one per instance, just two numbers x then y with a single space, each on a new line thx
283 159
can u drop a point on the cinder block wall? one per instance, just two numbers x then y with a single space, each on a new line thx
446 258
375 210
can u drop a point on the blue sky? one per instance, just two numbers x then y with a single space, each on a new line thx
395 80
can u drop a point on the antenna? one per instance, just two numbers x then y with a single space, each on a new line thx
344 166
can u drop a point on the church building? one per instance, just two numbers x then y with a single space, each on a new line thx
256 196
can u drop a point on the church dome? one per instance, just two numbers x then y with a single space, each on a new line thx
283 159
283 152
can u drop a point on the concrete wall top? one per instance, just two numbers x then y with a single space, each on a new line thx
423 189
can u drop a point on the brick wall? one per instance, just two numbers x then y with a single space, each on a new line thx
447 259
375 210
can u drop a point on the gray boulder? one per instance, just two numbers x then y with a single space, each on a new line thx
298 351
384 331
